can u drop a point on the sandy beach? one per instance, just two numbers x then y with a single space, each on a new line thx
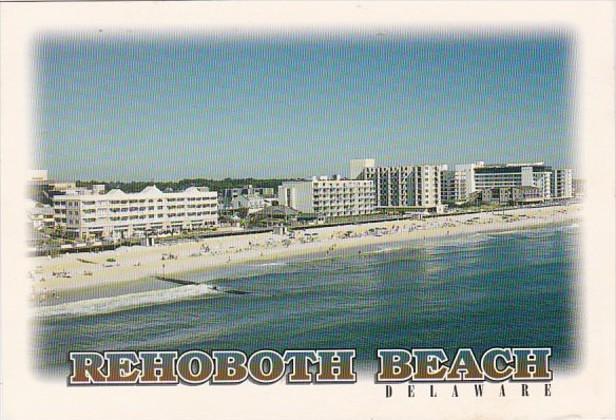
126 264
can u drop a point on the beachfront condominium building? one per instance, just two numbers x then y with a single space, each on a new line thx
424 187
448 185
328 196
398 186
390 184
562 183
514 175
119 214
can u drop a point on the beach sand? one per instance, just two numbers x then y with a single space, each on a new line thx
88 270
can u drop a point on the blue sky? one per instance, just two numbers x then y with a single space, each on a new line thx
273 106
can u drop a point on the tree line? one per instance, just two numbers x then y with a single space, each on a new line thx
212 184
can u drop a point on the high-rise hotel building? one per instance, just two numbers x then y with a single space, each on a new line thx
390 184
424 187
448 185
120 214
536 175
430 186
562 183
402 186
328 196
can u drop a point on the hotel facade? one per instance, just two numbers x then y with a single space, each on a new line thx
406 186
448 185
329 196
390 183
562 183
431 186
424 187
117 214
478 177
509 175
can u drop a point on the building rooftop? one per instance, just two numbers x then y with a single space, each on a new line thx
512 165
149 191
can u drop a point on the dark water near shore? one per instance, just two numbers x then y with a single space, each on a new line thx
483 290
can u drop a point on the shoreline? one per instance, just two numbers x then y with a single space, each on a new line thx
131 264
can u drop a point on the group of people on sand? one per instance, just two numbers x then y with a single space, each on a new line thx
329 237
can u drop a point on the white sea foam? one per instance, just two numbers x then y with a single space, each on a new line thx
504 232
123 302
272 264
384 250
461 240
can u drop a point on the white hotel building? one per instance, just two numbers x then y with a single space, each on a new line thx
416 186
430 186
328 197
475 177
390 183
536 175
424 187
562 183
119 214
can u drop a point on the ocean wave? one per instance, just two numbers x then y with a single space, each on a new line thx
272 264
460 240
540 233
504 232
534 232
123 302
383 250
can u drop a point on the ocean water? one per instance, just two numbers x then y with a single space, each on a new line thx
479 291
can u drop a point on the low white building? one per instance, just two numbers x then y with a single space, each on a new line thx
329 197
252 202
120 214
247 190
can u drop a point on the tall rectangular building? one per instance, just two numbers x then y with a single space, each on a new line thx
424 187
390 183
448 185
562 183
398 186
328 197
